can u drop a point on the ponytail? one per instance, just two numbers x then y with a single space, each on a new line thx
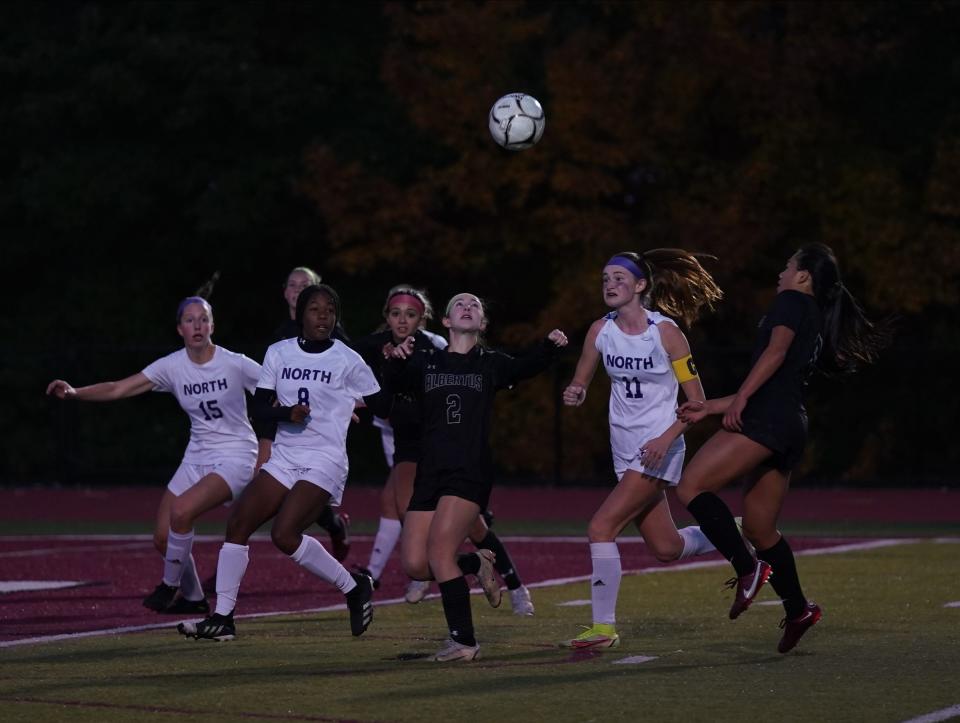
850 339
677 283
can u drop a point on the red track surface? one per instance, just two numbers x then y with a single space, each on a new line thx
118 573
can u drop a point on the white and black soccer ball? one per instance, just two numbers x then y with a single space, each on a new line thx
517 121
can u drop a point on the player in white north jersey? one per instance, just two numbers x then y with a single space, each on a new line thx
309 387
647 358
209 382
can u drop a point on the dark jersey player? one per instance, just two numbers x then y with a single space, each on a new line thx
456 388
813 323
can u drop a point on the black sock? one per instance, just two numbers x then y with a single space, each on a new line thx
455 594
469 563
503 564
328 520
784 580
717 523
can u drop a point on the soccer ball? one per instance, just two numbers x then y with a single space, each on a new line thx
517 121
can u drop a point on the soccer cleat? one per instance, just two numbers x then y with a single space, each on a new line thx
793 630
488 581
416 591
219 628
340 538
365 571
747 587
520 601
161 597
599 636
359 605
453 651
182 606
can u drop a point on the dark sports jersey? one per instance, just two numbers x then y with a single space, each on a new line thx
783 391
455 394
405 414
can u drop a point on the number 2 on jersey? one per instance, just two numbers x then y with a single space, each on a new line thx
636 394
453 409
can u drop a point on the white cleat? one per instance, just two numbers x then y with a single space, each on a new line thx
416 591
454 651
487 579
520 601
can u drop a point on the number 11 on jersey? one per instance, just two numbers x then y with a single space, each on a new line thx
636 394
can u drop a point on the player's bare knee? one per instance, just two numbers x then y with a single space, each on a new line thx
600 530
181 518
416 569
286 540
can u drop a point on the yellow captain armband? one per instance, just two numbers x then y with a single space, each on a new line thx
685 369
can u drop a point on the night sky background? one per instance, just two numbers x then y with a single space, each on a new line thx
147 145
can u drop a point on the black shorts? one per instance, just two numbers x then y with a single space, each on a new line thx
406 450
428 491
784 435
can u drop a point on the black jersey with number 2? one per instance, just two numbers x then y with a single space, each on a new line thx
456 394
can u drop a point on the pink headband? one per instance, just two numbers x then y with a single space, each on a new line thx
408 299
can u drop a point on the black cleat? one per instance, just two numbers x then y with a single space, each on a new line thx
182 606
161 597
365 571
216 627
358 602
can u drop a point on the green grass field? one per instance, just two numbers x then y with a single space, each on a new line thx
887 650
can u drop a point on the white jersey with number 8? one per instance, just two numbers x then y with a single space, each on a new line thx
329 382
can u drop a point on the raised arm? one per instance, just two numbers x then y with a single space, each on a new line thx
576 391
104 391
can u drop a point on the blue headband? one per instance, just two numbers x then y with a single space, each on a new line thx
191 300
628 264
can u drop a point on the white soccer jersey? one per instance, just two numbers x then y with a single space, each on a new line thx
329 382
643 387
212 396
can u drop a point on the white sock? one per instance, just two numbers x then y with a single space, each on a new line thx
190 585
388 533
231 565
178 553
694 542
605 581
315 558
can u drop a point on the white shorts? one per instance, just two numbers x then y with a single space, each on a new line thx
325 475
668 470
235 472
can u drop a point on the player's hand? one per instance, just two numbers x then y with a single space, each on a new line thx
692 412
299 413
557 337
732 421
399 351
653 451
574 395
61 390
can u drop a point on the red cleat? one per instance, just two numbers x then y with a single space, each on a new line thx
793 630
747 587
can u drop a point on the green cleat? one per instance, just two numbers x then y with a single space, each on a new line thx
598 636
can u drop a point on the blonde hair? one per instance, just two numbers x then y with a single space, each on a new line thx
312 275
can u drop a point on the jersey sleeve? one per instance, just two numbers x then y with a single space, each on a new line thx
360 380
250 371
159 373
788 310
268 372
509 370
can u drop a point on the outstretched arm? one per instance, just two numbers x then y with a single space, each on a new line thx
576 391
514 369
104 391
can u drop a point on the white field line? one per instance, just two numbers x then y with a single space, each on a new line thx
871 545
943 714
